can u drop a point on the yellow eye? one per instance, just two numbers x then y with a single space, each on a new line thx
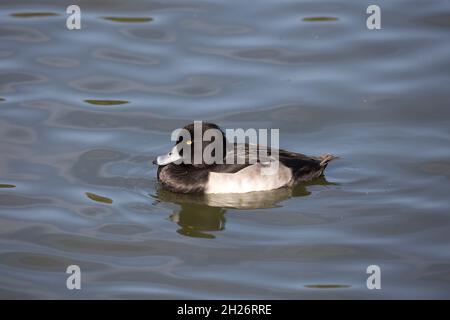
189 142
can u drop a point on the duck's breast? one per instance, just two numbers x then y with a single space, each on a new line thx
255 177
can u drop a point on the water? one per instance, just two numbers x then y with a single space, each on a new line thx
83 112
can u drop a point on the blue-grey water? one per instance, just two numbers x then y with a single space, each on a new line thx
83 113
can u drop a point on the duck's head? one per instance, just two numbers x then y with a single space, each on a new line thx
198 144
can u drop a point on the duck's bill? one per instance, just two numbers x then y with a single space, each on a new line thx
171 157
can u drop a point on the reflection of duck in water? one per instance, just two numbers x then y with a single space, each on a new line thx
200 213
233 176
194 219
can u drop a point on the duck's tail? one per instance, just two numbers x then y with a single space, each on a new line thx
324 159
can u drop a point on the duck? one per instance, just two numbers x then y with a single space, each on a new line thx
178 172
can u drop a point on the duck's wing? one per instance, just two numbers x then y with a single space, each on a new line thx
241 156
249 154
303 167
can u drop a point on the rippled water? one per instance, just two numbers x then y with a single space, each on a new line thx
83 112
